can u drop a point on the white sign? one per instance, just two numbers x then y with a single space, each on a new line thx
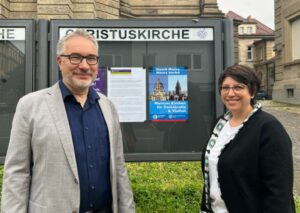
126 88
147 34
12 34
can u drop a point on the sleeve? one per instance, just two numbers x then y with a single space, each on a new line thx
276 169
125 195
17 167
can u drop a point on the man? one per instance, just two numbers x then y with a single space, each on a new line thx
65 153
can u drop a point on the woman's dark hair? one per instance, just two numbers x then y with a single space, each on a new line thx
244 75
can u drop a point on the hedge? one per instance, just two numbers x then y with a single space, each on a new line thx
166 187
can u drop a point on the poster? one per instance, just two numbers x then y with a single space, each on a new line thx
99 83
126 88
168 94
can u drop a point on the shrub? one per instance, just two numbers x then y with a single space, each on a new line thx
166 187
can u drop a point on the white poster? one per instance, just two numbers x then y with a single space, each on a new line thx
126 88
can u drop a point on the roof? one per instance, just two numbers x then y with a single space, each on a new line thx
261 29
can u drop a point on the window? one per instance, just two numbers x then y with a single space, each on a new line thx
250 53
197 61
149 60
184 60
191 61
249 30
295 25
242 30
290 93
260 53
111 61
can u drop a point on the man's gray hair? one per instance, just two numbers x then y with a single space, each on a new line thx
60 48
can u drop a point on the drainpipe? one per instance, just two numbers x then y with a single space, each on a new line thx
201 7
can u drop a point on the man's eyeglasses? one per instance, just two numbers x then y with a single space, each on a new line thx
236 88
77 59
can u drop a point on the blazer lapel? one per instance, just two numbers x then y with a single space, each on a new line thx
58 112
106 111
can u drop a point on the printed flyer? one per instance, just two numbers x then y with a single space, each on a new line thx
168 94
126 88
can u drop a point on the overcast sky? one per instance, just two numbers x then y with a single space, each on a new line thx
262 10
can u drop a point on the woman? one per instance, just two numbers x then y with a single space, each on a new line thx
247 163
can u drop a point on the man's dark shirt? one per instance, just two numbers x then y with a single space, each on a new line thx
91 144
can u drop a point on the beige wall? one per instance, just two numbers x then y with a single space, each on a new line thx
287 69
243 45
270 49
106 9
263 50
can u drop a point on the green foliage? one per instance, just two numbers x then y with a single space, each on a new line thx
166 187
1 175
169 187
297 203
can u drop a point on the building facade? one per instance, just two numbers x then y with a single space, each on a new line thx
249 32
104 9
254 44
287 48
264 63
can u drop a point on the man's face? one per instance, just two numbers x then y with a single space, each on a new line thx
78 77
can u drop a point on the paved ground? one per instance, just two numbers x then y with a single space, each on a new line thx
289 116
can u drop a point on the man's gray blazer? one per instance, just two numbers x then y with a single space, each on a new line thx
40 172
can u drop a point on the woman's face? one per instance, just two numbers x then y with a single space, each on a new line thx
235 95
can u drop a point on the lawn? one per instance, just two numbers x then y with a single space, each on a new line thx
166 187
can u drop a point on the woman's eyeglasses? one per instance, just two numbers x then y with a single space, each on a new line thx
235 89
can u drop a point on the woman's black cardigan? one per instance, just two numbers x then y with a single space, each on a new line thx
256 168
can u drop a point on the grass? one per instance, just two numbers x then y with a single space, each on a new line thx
166 187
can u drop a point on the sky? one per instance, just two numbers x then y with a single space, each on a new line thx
263 11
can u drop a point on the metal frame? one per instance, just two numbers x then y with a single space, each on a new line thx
47 70
30 52
223 40
42 71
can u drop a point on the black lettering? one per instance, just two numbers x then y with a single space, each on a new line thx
141 33
166 34
92 32
175 34
185 34
156 33
97 34
132 34
10 33
69 31
113 34
122 34
2 33
104 34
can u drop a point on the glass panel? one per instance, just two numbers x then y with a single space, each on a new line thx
149 60
295 26
184 60
106 60
12 85
197 61
173 137
118 61
249 53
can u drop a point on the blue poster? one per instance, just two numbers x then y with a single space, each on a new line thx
168 94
